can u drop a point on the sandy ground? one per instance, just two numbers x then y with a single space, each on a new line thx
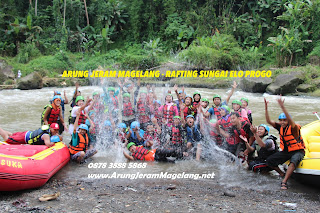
156 195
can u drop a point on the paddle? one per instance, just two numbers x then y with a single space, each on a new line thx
316 115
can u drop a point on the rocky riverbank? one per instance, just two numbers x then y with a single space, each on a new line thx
292 81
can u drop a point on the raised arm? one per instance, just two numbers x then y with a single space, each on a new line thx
66 101
76 121
234 86
281 103
269 121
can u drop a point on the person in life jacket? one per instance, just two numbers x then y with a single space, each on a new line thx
122 132
143 110
155 113
291 143
112 102
143 154
128 113
204 105
236 106
53 113
244 105
151 136
214 133
63 101
194 135
181 95
93 128
98 106
187 107
40 136
168 111
196 99
135 134
108 133
223 123
84 108
79 146
217 102
236 133
151 95
177 136
264 146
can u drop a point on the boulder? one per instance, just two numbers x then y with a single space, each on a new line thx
306 88
316 82
285 83
5 72
31 81
258 85
50 82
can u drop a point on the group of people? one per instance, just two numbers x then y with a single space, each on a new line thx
155 126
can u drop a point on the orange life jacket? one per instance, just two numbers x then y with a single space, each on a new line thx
82 145
287 137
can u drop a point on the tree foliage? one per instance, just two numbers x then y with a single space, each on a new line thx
289 28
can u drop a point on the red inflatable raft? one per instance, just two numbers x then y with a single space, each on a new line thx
30 166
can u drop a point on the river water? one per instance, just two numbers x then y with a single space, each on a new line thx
21 111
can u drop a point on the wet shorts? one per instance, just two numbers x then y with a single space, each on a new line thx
88 154
280 157
17 138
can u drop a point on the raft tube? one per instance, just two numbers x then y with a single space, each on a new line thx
30 166
308 170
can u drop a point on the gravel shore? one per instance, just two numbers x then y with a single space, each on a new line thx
156 195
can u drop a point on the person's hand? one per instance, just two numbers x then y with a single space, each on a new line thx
266 102
85 114
280 101
243 138
253 129
175 87
234 86
154 120
78 112
182 107
119 82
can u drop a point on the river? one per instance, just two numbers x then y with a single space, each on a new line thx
21 111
